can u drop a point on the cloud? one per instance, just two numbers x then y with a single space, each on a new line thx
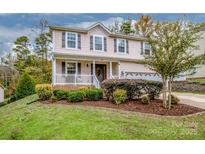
9 34
107 22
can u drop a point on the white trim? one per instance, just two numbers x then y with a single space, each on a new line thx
119 70
54 70
94 73
76 40
110 69
125 46
100 60
53 41
102 43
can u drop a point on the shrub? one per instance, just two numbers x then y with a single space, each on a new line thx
13 98
119 96
135 88
44 91
61 94
25 86
145 99
174 99
187 86
93 94
53 99
75 96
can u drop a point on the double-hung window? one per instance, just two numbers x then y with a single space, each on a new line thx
147 48
71 40
71 68
98 43
121 46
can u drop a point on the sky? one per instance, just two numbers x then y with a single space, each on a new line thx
15 25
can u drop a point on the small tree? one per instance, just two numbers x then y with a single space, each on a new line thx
173 45
25 86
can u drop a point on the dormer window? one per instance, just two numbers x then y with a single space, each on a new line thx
98 43
71 40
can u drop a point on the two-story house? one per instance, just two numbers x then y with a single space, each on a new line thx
87 56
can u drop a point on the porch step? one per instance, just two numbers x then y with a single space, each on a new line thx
69 87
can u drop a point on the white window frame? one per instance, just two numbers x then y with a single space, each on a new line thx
76 66
102 43
76 40
144 49
125 46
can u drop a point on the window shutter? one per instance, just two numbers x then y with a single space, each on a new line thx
105 44
63 67
91 42
142 49
63 39
79 68
79 41
115 45
127 46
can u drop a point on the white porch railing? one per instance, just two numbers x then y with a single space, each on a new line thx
77 79
147 76
114 77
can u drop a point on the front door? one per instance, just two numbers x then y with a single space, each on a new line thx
100 71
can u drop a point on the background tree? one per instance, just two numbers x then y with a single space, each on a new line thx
22 51
126 26
144 26
43 42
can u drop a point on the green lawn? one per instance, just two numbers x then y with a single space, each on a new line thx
37 121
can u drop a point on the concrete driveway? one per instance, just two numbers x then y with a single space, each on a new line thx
196 100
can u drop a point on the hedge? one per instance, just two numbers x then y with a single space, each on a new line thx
44 91
135 88
71 95
187 86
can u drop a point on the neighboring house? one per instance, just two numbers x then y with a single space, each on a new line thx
89 56
200 71
1 93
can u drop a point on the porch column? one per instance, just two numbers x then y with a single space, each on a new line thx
54 71
110 69
93 67
119 71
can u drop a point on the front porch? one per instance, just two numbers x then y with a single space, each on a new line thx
83 72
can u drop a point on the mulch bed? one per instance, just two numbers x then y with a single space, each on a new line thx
155 107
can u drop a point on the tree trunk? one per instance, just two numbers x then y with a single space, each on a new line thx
164 81
170 93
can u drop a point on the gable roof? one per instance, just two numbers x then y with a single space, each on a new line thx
101 25
85 30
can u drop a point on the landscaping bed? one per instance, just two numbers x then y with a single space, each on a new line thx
155 107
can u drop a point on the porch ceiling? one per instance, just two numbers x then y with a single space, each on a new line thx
91 57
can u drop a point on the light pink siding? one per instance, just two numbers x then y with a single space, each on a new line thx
133 67
134 46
